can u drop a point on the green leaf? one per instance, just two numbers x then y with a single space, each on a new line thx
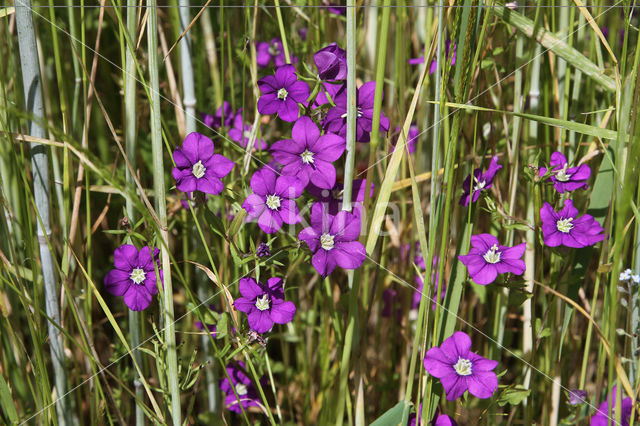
391 417
514 396
6 401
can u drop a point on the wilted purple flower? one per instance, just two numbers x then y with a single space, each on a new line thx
602 417
134 276
263 250
241 131
566 178
281 93
564 228
331 62
577 396
264 304
247 393
487 258
308 156
459 369
195 198
273 50
481 182
222 117
333 240
273 200
333 198
197 167
412 137
389 299
336 119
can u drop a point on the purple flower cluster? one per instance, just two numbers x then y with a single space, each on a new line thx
134 276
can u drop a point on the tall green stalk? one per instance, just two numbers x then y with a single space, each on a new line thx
189 96
40 169
130 142
160 204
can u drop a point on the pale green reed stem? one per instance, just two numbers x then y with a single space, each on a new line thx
283 36
189 95
352 319
159 188
40 165
130 142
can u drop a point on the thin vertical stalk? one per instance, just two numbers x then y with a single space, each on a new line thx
189 95
40 169
283 35
212 55
159 188
130 142
352 319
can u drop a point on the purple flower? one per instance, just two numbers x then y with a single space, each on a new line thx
273 200
333 240
134 276
331 62
281 93
481 182
336 120
333 198
335 8
460 370
222 117
566 178
308 155
302 32
577 397
487 258
438 419
263 250
247 393
564 228
273 50
412 137
241 131
264 304
435 277
197 167
434 63
602 417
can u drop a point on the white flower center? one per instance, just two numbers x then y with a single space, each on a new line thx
241 389
479 184
263 302
358 113
246 134
198 170
492 255
273 202
274 50
282 94
565 225
137 275
562 175
463 367
307 157
326 241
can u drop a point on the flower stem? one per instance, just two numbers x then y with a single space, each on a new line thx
189 96
40 164
285 47
159 188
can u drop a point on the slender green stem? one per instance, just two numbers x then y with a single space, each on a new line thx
40 165
160 204
283 34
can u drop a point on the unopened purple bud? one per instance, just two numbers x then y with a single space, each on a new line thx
263 250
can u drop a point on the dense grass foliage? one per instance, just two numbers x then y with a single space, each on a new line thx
317 212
